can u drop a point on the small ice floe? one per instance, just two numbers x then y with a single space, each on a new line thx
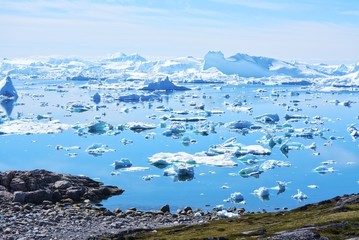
268 118
97 149
165 85
235 197
270 164
286 147
225 187
150 135
99 128
262 193
253 171
313 186
353 131
323 169
149 177
59 147
190 119
329 162
254 150
122 163
28 126
175 130
125 141
181 172
294 117
280 187
249 159
299 196
240 124
135 169
77 107
164 159
140 126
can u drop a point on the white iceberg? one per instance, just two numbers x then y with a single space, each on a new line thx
268 118
122 163
97 149
140 126
164 159
270 164
299 196
28 126
254 150
165 84
181 172
262 193
236 197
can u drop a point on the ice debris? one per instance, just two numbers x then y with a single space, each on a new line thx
323 169
262 193
77 107
28 126
299 196
181 172
149 177
235 197
97 149
122 163
140 126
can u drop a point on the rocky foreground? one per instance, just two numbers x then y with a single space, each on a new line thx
44 205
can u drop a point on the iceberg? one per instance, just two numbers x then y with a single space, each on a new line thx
165 85
122 163
240 124
323 169
77 107
165 159
268 118
262 193
254 150
181 172
299 196
270 164
28 126
98 149
96 98
139 126
236 197
7 88
253 171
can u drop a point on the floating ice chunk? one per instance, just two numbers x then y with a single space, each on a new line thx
176 129
286 147
312 186
226 214
240 124
299 196
323 169
122 163
164 159
236 197
225 187
97 149
150 135
268 118
135 169
139 98
270 164
140 126
165 84
281 186
253 171
27 126
248 159
295 117
191 119
353 131
7 88
59 147
262 193
77 107
125 141
254 150
181 172
149 177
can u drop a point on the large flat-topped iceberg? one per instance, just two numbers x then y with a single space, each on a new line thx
166 85
7 89
32 127
164 159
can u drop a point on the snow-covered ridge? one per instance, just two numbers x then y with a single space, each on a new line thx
214 67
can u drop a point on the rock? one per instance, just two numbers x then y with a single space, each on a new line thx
299 234
62 184
39 185
19 197
165 208
187 209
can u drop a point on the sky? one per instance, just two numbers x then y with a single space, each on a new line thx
303 30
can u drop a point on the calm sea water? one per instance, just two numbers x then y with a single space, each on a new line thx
26 152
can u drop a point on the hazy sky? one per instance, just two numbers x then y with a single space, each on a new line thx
306 30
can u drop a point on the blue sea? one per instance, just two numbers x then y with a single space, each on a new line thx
204 191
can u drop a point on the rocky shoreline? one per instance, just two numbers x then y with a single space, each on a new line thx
40 204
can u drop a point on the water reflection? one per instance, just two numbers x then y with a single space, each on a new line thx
8 105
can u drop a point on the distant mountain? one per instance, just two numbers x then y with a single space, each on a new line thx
214 67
